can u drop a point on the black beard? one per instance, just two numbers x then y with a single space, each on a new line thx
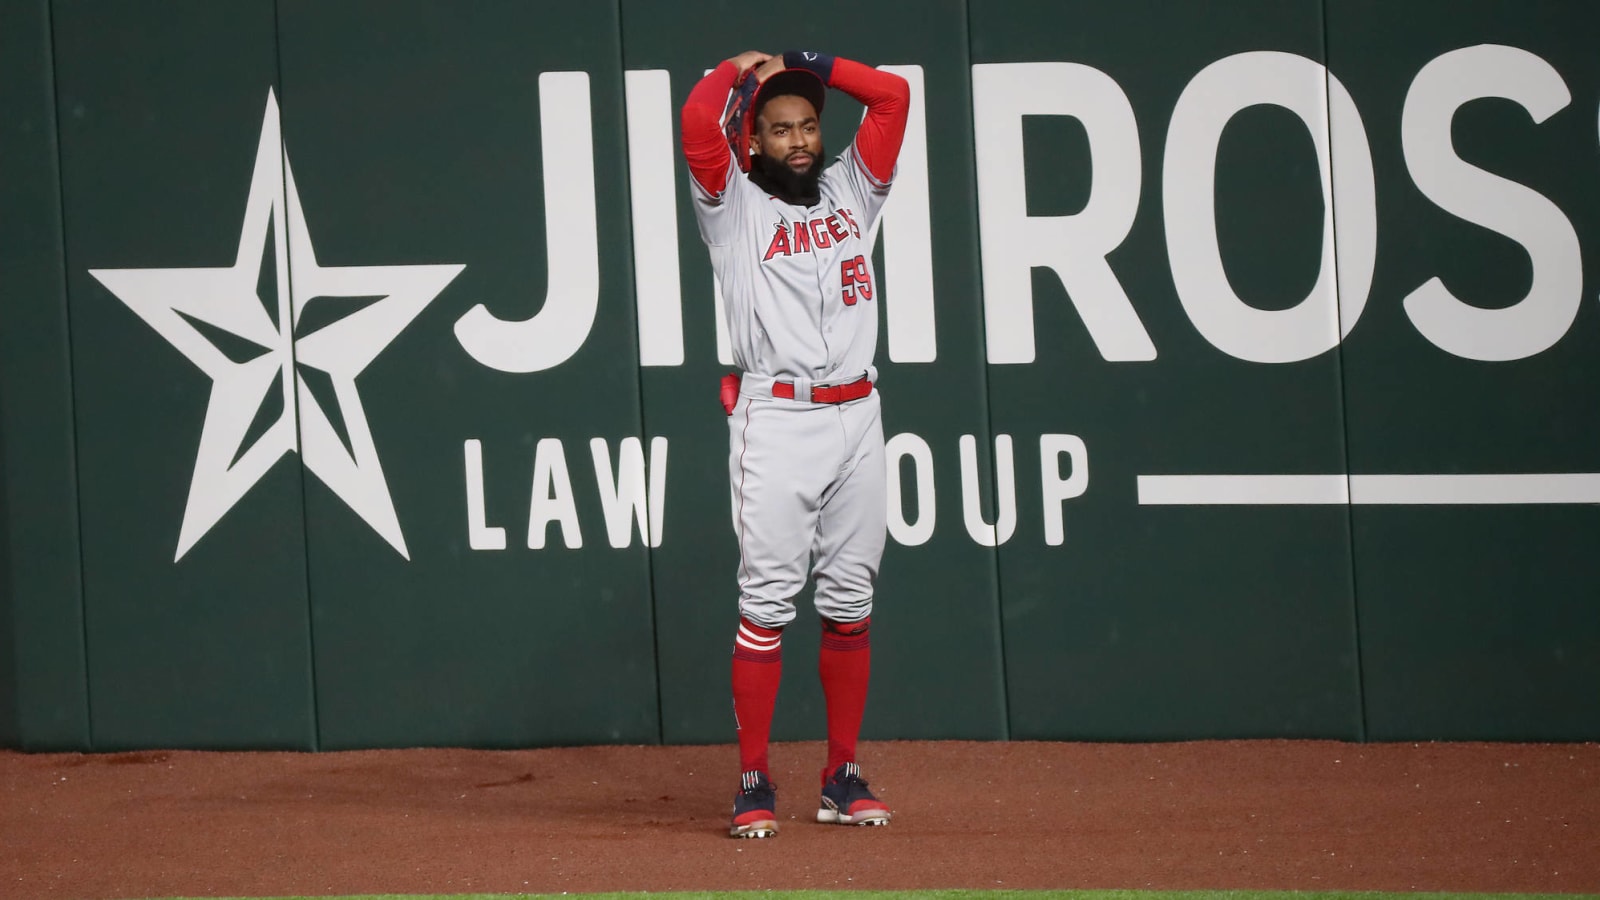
797 188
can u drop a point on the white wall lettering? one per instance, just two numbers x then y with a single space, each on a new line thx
1056 490
552 335
480 535
1005 492
1213 97
907 224
623 497
1534 323
902 446
652 189
552 500
1075 247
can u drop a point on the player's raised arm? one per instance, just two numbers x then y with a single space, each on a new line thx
704 145
887 97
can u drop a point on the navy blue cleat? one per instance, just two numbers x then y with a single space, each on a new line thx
846 800
754 814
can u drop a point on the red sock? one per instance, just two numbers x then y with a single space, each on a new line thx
757 668
844 663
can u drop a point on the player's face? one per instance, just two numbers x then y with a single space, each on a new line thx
788 131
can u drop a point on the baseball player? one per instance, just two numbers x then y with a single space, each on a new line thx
789 242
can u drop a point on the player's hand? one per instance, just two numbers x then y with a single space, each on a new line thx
771 66
749 59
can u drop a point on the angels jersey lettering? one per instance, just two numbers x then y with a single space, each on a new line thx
797 282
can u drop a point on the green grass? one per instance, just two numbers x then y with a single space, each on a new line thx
962 895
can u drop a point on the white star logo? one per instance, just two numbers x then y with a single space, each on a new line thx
177 302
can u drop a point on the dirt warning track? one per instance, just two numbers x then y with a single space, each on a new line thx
1304 815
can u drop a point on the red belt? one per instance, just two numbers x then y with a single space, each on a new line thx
839 393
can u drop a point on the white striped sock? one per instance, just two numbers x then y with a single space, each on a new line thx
752 641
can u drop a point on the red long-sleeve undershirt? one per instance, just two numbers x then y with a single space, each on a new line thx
888 101
704 145
886 96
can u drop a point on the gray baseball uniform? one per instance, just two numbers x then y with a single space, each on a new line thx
807 478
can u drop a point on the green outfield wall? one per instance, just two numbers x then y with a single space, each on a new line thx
358 371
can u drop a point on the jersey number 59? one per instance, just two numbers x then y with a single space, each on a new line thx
855 281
